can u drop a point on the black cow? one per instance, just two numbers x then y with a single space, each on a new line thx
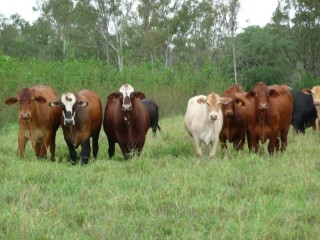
304 112
152 108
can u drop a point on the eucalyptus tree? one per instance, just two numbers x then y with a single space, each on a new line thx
299 21
59 14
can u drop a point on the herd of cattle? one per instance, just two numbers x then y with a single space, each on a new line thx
264 113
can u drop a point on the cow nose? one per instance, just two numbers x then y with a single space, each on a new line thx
68 122
316 103
25 116
263 106
229 112
126 107
213 116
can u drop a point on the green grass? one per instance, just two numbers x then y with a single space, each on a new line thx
166 193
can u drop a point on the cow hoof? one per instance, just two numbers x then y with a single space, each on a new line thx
73 162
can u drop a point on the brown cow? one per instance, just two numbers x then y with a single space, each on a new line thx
81 120
272 116
126 121
234 120
37 121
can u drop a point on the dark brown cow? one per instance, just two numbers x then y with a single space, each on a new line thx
234 120
37 121
272 116
81 120
126 121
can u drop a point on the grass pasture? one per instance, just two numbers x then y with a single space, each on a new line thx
166 193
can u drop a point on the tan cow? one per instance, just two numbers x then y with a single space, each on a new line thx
37 121
315 92
203 121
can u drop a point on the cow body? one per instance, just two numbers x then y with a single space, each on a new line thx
152 108
315 93
234 120
304 111
81 120
271 117
37 121
126 121
203 121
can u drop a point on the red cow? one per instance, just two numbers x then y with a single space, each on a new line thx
81 120
234 120
37 121
126 121
271 118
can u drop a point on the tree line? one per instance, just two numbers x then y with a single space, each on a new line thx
173 33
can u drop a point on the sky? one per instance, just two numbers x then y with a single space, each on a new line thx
252 12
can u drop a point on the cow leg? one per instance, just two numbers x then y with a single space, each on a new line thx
111 148
141 144
73 153
43 149
125 151
197 146
37 148
95 145
272 143
85 151
214 144
52 143
284 139
22 141
223 143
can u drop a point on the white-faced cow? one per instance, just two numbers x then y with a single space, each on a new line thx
126 121
81 120
203 121
37 121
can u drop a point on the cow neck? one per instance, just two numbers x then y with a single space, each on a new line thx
74 137
262 123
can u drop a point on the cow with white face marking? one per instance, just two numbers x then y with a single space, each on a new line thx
81 120
126 121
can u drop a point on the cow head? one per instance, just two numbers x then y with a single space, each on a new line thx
213 103
69 104
315 92
126 90
27 98
228 106
261 94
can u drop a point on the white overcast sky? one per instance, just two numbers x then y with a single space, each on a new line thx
252 12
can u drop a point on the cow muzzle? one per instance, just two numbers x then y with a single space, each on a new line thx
229 112
126 107
316 103
263 106
213 116
25 116
68 122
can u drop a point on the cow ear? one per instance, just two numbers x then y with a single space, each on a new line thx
273 93
139 95
201 100
240 102
113 96
11 101
82 104
250 94
55 104
40 99
307 91
225 100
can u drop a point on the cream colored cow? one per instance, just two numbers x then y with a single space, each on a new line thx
203 121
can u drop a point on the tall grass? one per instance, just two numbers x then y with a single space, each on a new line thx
171 88
166 193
